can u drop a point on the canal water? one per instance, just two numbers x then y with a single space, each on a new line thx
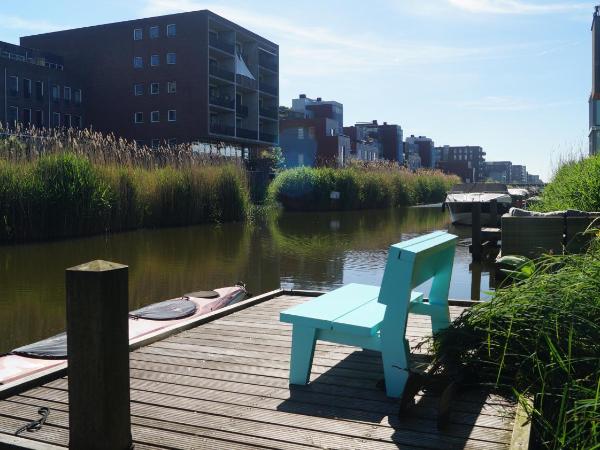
296 250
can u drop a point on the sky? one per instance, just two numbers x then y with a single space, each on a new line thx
512 76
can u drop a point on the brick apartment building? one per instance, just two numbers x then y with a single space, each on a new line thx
38 89
386 137
424 147
184 77
518 174
499 171
466 161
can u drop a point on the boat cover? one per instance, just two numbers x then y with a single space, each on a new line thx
54 347
477 197
517 192
168 310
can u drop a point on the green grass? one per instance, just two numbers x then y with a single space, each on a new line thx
575 185
65 194
539 339
308 189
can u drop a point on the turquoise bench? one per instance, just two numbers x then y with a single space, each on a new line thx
374 318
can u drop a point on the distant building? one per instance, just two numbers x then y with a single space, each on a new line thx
533 179
499 171
594 101
311 134
386 138
362 146
424 147
39 89
466 161
518 174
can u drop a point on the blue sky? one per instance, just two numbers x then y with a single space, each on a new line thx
510 75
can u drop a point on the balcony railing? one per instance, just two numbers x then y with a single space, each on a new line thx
222 100
221 44
221 73
246 82
241 110
268 88
269 112
267 61
268 137
219 128
247 134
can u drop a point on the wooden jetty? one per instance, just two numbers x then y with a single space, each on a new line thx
222 383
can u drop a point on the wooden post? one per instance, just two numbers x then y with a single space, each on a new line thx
493 213
475 280
98 355
476 232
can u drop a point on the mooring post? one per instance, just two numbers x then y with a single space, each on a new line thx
493 213
476 232
98 355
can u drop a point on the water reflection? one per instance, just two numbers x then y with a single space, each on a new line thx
299 250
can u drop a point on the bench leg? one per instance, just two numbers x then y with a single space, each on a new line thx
303 350
394 353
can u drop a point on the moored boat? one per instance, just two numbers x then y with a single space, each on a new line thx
461 198
30 359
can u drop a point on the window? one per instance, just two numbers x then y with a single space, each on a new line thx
155 116
138 89
39 118
154 60
77 96
171 58
155 143
13 85
26 88
154 32
311 132
300 133
26 116
55 92
67 120
171 87
67 94
39 90
172 115
138 117
154 88
13 115
300 159
172 142
56 119
138 62
76 122
137 34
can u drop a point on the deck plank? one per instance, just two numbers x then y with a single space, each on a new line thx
224 384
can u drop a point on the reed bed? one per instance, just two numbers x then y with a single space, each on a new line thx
539 341
361 186
76 182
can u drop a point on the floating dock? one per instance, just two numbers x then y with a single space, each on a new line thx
222 383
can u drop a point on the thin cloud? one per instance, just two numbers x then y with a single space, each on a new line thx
516 6
28 25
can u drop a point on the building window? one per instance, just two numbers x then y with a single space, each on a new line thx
154 60
171 30
138 89
155 116
26 88
67 94
171 58
77 96
39 90
154 88
138 62
55 93
311 132
172 142
154 32
300 133
56 119
171 87
67 120
26 116
13 115
39 118
13 85
137 34
155 143
138 117
76 122
172 116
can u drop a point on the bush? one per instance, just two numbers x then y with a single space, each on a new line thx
360 187
575 185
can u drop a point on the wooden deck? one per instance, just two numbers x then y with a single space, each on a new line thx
224 385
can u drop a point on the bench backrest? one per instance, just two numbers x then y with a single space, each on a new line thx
415 261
